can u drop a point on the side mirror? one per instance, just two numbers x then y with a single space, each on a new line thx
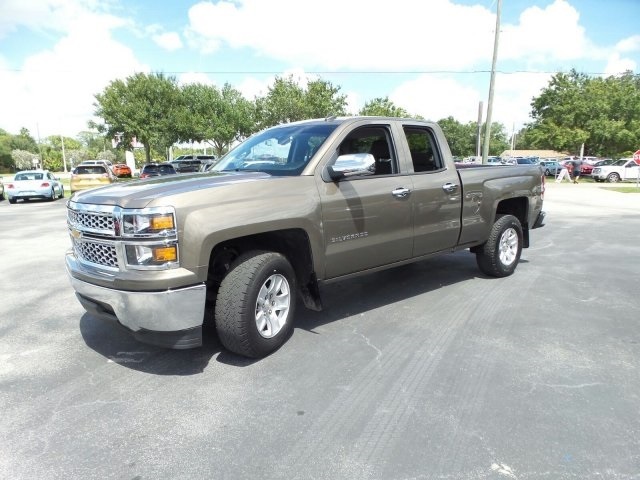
351 165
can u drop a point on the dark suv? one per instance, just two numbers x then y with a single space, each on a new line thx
156 170
190 163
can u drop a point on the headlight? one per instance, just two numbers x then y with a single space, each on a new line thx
151 255
152 222
150 238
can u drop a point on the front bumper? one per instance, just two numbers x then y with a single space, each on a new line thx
169 318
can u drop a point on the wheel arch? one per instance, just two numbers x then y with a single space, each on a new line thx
519 208
294 244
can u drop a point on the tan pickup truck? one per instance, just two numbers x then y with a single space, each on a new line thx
291 208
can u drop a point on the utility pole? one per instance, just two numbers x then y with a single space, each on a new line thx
479 132
487 133
64 157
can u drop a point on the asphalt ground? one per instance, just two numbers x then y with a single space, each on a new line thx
427 371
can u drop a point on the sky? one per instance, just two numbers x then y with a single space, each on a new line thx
431 57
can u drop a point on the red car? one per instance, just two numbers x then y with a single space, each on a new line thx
121 170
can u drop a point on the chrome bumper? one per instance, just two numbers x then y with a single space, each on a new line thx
171 318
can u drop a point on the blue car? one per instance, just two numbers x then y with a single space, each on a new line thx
550 167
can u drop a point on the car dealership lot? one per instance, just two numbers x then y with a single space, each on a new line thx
427 371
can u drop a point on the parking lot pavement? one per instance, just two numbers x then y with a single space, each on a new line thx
427 371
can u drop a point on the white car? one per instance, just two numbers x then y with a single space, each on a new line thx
623 169
34 184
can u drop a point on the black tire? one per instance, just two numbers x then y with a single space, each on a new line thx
61 192
53 195
239 310
13 200
500 255
547 172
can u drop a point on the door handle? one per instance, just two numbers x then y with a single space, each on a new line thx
450 187
400 192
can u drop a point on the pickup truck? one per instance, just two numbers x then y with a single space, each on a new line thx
623 169
286 211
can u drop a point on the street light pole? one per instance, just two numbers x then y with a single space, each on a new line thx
487 133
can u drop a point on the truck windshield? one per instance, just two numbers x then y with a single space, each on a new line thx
282 150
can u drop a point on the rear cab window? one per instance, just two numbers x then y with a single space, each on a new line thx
425 157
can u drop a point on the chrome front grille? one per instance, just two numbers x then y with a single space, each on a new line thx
93 233
94 252
93 221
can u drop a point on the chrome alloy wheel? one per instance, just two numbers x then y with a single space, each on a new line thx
272 306
508 246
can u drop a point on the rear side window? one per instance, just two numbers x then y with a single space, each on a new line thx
28 176
424 155
90 170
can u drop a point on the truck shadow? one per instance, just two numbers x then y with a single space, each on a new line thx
368 292
117 346
341 300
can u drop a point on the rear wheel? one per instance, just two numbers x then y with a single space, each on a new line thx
613 177
500 255
53 195
255 304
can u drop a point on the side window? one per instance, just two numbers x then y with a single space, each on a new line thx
424 155
376 142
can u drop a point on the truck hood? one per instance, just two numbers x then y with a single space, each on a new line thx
141 193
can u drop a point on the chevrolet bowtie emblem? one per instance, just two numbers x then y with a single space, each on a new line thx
77 234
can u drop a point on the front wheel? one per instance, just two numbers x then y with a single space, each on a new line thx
255 304
613 177
500 255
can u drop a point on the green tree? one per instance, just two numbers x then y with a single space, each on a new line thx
461 137
23 160
218 117
6 162
24 141
382 107
602 113
144 107
287 102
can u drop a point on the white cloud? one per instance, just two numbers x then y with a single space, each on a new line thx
357 38
53 90
55 15
195 77
550 34
617 65
170 41
436 97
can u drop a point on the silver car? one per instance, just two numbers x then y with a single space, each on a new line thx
34 184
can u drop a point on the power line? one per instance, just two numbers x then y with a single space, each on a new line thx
331 72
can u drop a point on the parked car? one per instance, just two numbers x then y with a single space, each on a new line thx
550 167
86 176
623 169
121 170
156 170
606 161
190 163
106 163
1 189
34 184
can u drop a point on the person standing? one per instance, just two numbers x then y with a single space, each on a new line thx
577 166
